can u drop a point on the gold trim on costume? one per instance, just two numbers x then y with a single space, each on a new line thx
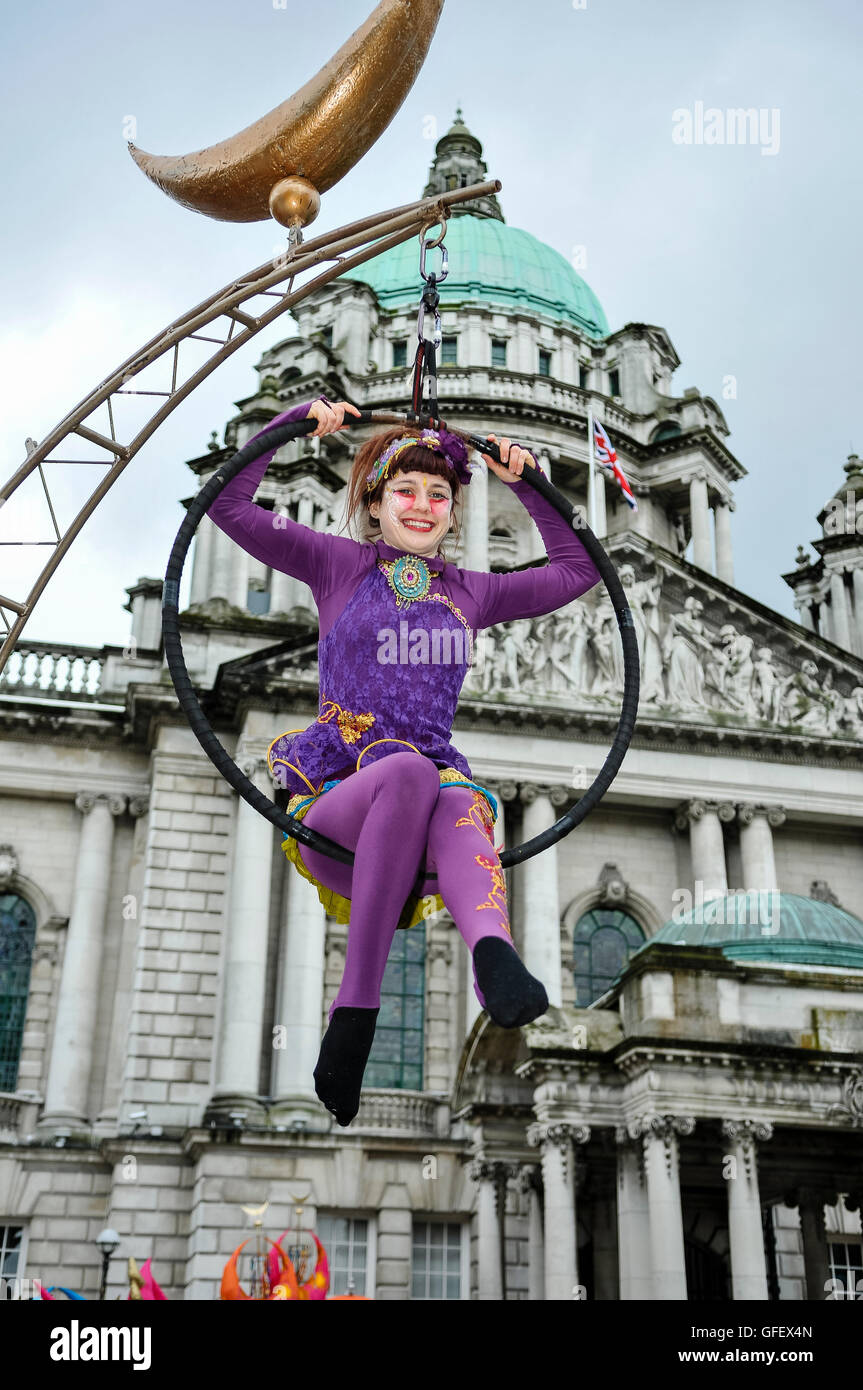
385 740
292 766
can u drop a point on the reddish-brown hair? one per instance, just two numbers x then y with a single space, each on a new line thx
419 459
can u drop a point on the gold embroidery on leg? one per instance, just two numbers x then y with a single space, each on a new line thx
480 817
497 893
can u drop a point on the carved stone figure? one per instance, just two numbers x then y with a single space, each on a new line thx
684 648
643 596
765 679
798 700
735 668
578 637
853 715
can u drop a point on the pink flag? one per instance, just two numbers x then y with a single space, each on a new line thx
149 1288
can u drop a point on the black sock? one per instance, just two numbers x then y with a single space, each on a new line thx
513 997
342 1061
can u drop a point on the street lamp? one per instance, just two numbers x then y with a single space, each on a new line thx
107 1241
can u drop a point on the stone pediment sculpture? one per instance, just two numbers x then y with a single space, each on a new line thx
705 658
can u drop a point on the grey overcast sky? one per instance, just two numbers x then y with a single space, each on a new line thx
749 259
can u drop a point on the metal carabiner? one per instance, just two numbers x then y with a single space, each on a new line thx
428 244
421 320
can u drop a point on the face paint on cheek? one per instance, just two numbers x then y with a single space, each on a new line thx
396 504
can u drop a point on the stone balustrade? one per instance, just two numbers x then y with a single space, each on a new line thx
411 1112
49 670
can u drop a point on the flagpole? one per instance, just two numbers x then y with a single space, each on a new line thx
591 501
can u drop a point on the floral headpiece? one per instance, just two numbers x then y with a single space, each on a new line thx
441 441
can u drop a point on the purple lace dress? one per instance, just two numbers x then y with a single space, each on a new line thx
390 669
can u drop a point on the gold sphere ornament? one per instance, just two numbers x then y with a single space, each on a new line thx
294 201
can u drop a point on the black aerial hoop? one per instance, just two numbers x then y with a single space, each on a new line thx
274 438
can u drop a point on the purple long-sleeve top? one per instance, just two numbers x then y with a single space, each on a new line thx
390 671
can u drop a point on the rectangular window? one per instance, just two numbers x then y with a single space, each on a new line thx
258 601
448 352
498 352
614 383
346 1241
544 362
396 1058
327 336
583 375
400 353
10 1258
436 1263
846 1268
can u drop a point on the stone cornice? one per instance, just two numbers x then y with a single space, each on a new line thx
150 705
666 733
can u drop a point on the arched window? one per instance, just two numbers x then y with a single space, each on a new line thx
396 1058
669 429
17 934
603 941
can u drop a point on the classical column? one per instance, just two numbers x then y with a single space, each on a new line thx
238 580
804 608
245 960
529 1182
490 1178
535 550
706 842
757 824
116 1058
816 1256
284 589
67 1088
857 577
220 566
539 897
745 1232
301 991
204 542
555 1141
825 617
440 936
659 1135
722 536
599 502
633 1220
475 522
699 513
840 616
306 510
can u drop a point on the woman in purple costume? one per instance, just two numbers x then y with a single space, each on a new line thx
397 624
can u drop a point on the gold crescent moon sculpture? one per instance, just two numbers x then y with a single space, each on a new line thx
318 134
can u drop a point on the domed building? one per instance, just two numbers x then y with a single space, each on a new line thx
686 1121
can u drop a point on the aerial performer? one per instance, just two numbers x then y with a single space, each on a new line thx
397 626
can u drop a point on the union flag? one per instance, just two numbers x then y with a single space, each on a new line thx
606 457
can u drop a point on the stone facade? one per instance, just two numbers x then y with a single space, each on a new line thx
695 1133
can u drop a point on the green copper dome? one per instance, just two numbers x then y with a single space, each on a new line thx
770 927
489 263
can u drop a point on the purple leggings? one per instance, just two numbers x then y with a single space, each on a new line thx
395 816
